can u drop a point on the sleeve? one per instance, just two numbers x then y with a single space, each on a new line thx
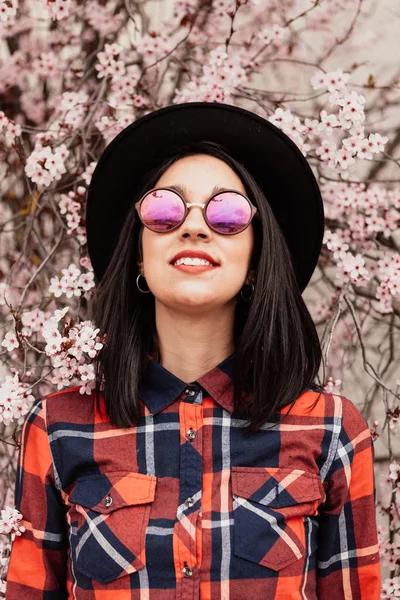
37 567
348 564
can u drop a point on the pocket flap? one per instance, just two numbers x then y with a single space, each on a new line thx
105 493
276 487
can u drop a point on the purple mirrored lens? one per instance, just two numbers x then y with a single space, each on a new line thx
162 210
229 212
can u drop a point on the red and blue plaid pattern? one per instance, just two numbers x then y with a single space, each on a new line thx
187 506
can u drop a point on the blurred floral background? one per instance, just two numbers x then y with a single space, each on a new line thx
73 74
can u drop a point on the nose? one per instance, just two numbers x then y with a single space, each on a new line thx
195 222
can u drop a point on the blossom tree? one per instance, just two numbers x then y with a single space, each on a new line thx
75 73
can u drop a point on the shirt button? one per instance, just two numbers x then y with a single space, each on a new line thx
189 392
187 571
189 501
191 434
108 501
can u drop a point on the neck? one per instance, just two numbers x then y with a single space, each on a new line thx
190 345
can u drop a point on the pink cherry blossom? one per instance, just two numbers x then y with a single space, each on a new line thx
71 209
32 322
328 122
394 471
15 400
185 7
353 267
9 522
85 263
88 172
353 144
53 338
10 341
86 281
73 108
111 127
344 159
390 588
223 7
327 152
8 11
335 243
378 142
109 63
86 372
47 64
34 105
102 18
55 287
153 46
331 384
311 128
332 81
10 129
59 9
292 126
319 80
44 166
274 34
72 283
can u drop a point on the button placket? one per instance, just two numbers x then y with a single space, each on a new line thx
191 415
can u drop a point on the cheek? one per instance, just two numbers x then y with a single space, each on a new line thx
240 252
157 249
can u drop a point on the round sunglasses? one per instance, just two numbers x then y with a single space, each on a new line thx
164 209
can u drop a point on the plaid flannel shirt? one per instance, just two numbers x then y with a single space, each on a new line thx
186 506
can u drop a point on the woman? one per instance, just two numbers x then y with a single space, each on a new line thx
208 464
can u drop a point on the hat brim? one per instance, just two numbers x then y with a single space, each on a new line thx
275 162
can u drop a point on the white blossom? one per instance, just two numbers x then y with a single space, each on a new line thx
10 341
15 400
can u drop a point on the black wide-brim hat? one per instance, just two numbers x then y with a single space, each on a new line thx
275 162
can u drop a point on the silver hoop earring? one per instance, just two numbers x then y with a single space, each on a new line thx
248 298
137 285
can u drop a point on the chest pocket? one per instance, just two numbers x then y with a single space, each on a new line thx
109 515
269 509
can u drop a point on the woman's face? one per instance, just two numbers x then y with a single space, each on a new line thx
194 292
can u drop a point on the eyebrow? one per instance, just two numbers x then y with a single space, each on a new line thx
183 190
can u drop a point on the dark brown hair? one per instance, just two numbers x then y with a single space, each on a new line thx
277 350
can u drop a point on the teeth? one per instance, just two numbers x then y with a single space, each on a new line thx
191 261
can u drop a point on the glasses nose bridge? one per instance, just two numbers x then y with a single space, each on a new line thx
190 204
200 205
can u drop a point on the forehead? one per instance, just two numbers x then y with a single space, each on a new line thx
201 172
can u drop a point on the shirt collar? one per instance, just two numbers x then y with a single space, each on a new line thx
159 387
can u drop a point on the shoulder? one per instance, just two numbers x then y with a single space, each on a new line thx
350 412
341 429
344 414
354 431
336 409
335 415
49 412
68 406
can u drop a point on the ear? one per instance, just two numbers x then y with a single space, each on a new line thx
251 277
